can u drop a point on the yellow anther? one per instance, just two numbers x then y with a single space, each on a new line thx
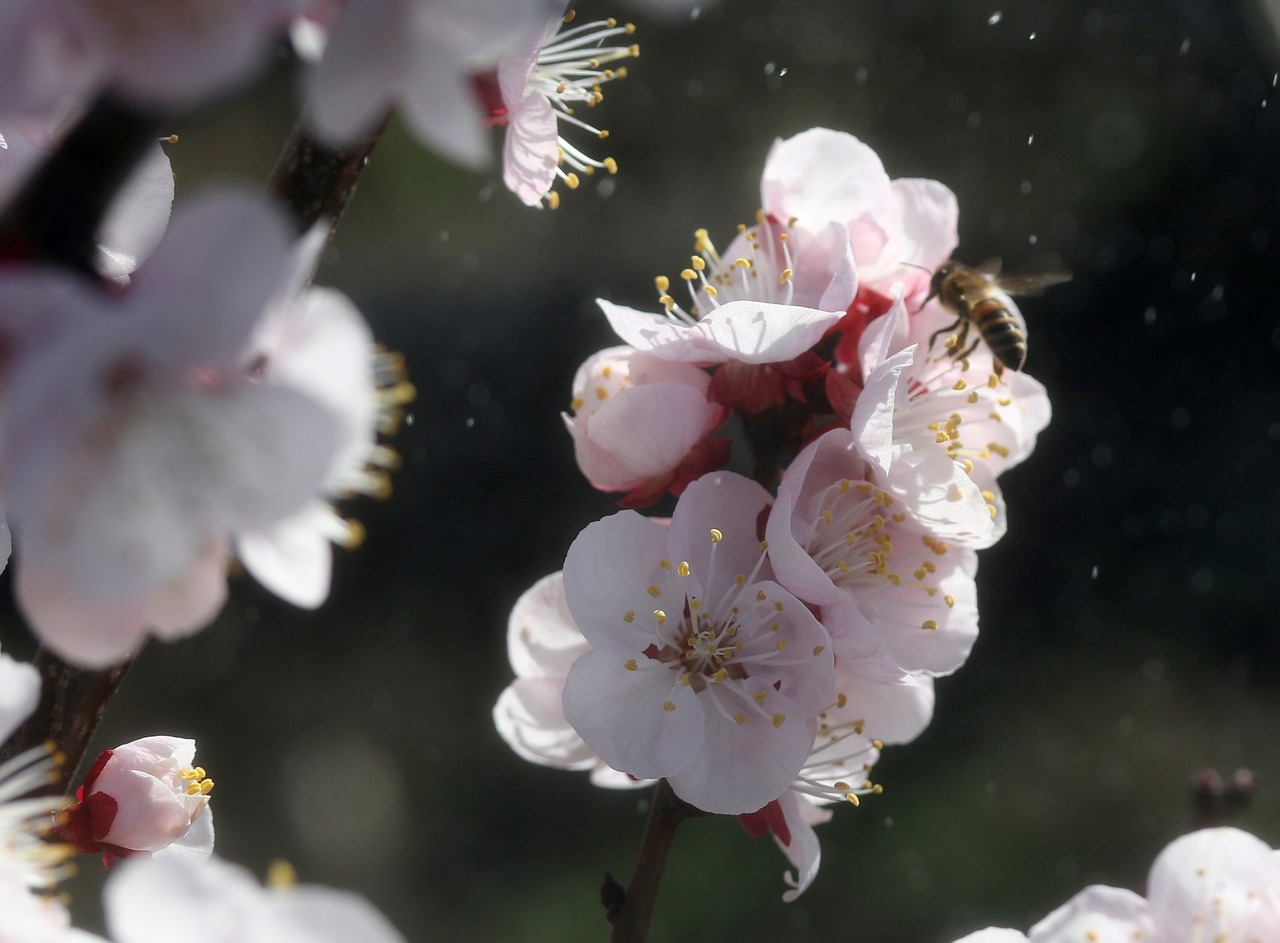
853 798
193 789
601 393
688 274
653 591
929 624
740 719
668 706
634 49
779 720
553 200
662 283
782 644
998 449
667 302
630 28
993 381
711 291
631 665
611 165
878 744
716 536
629 616
959 385
760 596
841 785
720 675
742 263
759 696
602 134
841 699
739 580
775 627
683 568
778 605
818 650
571 181
660 616
281 873
785 276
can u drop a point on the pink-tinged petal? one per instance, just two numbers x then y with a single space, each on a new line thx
19 694
819 176
648 430
750 331
542 638
188 602
944 500
605 578
293 559
873 412
994 935
890 713
1101 914
839 295
136 220
325 915
920 634
1221 881
440 108
641 722
226 231
530 149
743 767
803 850
151 819
530 718
884 337
360 76
151 900
731 504
930 216
197 843
89 633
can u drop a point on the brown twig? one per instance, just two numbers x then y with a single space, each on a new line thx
72 701
316 181
630 911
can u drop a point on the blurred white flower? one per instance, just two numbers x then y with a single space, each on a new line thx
57 55
1218 884
137 445
158 900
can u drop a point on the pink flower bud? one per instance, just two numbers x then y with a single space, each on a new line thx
142 798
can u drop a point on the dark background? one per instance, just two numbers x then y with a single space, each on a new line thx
1129 617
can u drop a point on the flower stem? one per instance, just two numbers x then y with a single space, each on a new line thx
630 912
72 701
316 181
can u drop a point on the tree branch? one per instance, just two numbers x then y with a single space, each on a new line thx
631 911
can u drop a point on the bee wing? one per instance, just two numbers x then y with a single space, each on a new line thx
1035 275
990 267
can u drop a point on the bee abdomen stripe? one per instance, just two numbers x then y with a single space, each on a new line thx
990 309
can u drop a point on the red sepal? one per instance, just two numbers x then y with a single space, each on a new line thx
770 819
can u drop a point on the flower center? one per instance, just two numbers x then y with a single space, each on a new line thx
765 274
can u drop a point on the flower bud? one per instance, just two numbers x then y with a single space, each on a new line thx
141 798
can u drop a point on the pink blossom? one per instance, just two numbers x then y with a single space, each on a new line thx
819 177
137 445
938 430
636 418
58 54
862 717
768 299
543 641
702 670
896 600
144 797
543 85
1215 884
155 900
422 55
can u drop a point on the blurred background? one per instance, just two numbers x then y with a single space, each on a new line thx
1130 632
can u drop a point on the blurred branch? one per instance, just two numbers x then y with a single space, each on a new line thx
72 701
316 181
56 215
630 911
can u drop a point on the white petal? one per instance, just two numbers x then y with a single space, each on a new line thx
530 149
137 217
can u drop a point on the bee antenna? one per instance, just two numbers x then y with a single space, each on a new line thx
915 265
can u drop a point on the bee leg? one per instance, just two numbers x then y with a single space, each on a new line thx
971 349
950 327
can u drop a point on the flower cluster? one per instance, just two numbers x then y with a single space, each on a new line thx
760 648
1218 884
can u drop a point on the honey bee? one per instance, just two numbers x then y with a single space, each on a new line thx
982 301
